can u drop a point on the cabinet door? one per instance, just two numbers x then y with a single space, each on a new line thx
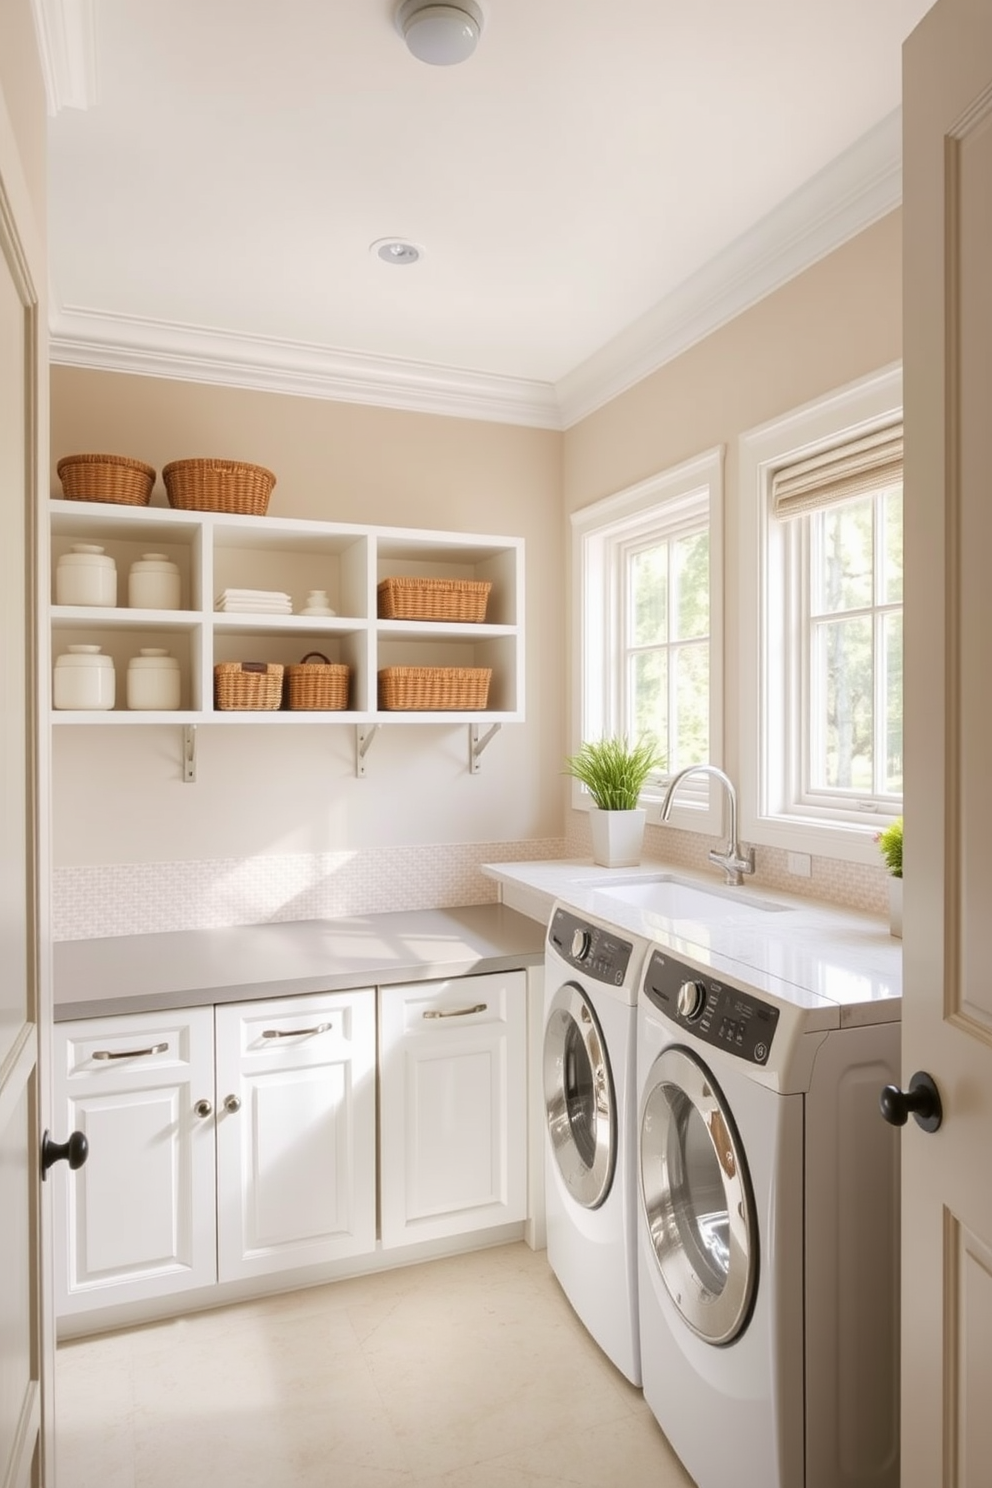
295 1132
453 1106
137 1221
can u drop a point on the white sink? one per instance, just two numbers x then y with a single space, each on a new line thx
677 900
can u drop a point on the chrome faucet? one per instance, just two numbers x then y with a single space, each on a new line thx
736 860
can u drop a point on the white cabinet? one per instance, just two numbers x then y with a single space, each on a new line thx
216 551
453 1100
137 1221
224 1143
295 1132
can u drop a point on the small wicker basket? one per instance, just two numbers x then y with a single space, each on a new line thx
218 486
115 478
433 599
254 686
438 689
317 683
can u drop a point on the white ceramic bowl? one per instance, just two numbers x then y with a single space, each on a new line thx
84 678
86 576
153 681
153 583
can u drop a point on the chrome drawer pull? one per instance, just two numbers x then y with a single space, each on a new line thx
294 1032
128 1053
480 1007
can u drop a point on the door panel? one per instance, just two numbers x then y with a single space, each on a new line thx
947 1005
26 1339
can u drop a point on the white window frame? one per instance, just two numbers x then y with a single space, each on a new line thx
768 698
601 534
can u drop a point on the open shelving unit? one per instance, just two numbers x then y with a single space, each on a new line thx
217 551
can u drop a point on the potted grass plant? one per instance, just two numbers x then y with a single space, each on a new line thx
614 772
890 846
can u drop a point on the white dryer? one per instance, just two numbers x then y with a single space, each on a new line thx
768 1248
592 974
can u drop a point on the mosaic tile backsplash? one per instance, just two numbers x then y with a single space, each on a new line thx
143 898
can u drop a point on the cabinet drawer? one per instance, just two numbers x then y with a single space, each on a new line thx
122 1050
451 1007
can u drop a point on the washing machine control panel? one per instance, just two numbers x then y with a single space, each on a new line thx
715 1011
597 952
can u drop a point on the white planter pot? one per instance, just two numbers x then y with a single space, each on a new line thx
895 907
617 837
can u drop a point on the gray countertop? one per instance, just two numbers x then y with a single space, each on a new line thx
146 973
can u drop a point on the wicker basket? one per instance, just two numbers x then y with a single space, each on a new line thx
316 683
218 486
106 478
433 599
438 689
255 686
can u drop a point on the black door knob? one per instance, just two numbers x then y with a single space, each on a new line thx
921 1100
75 1151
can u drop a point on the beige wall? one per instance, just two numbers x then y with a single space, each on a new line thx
117 792
24 97
839 321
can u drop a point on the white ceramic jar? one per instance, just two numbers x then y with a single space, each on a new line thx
153 583
317 603
153 680
84 678
86 576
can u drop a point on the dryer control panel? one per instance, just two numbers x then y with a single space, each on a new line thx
710 1009
589 948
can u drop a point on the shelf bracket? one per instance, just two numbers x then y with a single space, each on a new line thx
189 753
477 742
363 742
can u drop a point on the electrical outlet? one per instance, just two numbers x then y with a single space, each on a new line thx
800 864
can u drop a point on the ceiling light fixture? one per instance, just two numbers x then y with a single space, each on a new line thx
440 34
396 251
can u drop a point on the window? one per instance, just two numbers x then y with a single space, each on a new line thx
648 614
822 595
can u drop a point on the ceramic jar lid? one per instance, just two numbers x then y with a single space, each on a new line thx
84 656
154 563
152 657
86 555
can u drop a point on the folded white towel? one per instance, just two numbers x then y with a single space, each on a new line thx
254 594
254 607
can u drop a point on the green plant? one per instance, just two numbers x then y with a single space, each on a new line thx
890 846
614 771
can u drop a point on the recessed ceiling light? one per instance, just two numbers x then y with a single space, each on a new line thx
396 251
440 34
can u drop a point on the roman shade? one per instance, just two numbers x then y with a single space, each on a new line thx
860 467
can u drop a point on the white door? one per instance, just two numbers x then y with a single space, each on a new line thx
947 1027
26 1348
453 1097
138 1221
295 1132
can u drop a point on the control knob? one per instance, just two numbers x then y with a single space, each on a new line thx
691 1000
581 941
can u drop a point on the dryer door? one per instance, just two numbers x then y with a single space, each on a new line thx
697 1198
579 1097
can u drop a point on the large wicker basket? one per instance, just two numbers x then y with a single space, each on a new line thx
254 686
114 478
218 486
317 683
433 599
439 689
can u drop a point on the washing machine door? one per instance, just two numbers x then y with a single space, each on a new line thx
697 1197
579 1097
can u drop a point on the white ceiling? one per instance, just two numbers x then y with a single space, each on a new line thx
602 182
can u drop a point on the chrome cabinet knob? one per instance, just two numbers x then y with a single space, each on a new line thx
232 1103
203 1108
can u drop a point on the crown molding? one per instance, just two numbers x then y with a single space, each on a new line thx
150 348
857 189
66 34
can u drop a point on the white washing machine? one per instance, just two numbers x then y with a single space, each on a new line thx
592 974
768 1250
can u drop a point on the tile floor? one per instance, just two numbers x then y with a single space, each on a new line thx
470 1372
